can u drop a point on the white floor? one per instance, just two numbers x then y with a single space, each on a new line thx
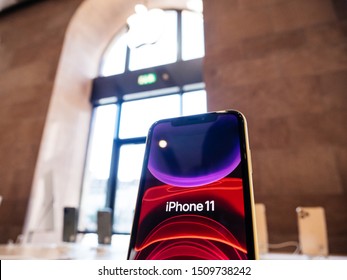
88 249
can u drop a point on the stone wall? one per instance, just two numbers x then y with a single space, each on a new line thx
31 38
284 65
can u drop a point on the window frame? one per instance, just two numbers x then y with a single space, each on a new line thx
179 77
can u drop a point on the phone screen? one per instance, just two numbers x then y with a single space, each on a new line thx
195 196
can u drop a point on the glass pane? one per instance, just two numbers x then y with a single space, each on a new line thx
98 165
113 61
194 102
192 35
163 51
129 172
137 116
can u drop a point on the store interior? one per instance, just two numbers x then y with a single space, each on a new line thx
283 64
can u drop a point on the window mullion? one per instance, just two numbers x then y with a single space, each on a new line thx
112 182
179 36
181 101
127 58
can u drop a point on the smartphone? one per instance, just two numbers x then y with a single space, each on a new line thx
195 198
313 235
70 224
104 226
262 232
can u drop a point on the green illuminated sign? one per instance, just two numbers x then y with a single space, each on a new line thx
147 79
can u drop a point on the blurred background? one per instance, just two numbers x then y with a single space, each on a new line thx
80 82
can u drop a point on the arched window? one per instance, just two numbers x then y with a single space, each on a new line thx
149 72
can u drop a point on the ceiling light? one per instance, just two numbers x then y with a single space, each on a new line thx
145 26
